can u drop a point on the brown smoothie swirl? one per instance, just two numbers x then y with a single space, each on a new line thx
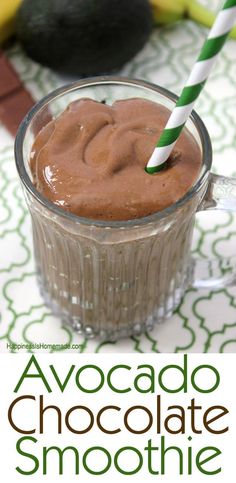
91 159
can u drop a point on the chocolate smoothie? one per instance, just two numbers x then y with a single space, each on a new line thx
112 280
91 159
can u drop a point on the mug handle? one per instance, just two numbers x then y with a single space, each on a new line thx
219 272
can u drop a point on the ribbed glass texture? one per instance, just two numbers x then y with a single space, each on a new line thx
115 283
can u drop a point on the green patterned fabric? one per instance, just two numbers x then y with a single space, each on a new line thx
205 321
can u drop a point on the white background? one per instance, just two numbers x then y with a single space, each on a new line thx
26 415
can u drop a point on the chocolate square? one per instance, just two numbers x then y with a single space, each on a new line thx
15 101
9 81
13 108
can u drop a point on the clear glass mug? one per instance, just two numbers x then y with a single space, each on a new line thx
115 279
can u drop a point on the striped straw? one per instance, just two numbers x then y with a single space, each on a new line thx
197 79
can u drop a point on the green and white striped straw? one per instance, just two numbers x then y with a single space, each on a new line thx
196 81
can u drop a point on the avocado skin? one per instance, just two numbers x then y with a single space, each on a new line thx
83 37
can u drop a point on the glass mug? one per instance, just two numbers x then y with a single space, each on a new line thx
115 279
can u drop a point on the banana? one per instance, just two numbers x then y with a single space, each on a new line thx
169 11
8 9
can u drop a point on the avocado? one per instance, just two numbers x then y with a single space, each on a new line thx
83 37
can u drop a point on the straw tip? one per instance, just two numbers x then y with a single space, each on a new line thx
154 169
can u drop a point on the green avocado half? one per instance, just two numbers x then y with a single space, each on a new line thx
83 37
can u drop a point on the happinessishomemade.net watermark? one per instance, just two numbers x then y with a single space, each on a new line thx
42 346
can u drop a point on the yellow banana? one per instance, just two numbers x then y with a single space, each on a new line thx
8 9
168 11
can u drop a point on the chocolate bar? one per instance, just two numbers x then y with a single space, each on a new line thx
15 100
